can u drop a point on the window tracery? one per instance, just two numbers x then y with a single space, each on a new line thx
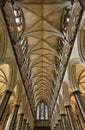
42 111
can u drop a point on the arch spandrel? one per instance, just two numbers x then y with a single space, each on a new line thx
61 105
18 92
66 91
12 72
76 70
73 104
58 112
23 103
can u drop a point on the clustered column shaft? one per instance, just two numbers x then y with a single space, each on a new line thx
4 102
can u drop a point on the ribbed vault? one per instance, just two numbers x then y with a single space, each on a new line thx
43 22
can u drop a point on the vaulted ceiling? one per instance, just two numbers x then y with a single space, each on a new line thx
43 25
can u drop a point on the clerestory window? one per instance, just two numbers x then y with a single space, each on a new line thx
19 19
42 111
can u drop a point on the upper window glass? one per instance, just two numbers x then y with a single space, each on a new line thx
19 19
42 111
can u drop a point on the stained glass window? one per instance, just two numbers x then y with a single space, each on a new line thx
38 112
42 111
46 112
19 19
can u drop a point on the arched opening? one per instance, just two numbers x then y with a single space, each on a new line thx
76 113
77 84
4 78
7 81
42 111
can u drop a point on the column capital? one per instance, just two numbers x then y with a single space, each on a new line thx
7 91
64 114
68 106
25 120
21 114
16 106
4 101
27 123
59 120
76 92
56 124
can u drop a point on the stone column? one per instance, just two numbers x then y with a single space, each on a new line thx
71 118
30 128
61 125
25 120
59 122
20 120
4 101
54 128
27 126
64 121
79 123
57 126
24 124
12 118
80 103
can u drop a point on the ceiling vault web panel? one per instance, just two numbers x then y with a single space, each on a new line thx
43 31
